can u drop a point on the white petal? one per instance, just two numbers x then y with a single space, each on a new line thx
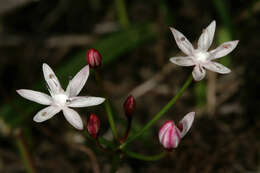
198 73
223 49
35 96
85 101
46 113
207 36
77 83
164 128
182 61
182 42
73 118
51 79
186 123
217 67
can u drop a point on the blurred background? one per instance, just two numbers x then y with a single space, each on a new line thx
136 44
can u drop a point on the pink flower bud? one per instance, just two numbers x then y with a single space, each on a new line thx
93 125
94 58
129 106
170 134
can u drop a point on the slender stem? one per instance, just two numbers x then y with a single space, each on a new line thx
145 158
111 118
122 14
115 163
159 114
27 159
107 105
101 140
129 124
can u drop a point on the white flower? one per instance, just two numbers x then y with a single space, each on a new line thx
60 99
202 58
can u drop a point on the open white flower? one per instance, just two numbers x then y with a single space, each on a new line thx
60 99
202 58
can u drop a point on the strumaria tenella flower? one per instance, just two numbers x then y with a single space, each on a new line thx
170 135
201 58
60 99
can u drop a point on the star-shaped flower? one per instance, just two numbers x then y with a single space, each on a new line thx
60 99
201 58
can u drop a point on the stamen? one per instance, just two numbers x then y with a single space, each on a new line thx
51 76
44 113
226 46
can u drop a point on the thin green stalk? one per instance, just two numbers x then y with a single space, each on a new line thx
115 163
146 158
122 14
159 114
107 106
110 118
26 157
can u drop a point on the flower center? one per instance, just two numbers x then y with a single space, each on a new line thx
60 99
201 56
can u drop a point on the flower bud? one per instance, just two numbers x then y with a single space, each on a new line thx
169 135
129 106
93 125
94 58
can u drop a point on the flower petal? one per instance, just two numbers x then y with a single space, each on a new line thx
198 73
182 42
217 67
51 79
85 101
186 123
73 118
77 83
182 61
223 49
207 36
164 128
35 96
46 113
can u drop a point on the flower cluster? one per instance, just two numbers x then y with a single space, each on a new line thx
169 134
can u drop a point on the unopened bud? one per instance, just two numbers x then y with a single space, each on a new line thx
93 125
94 58
129 106
170 135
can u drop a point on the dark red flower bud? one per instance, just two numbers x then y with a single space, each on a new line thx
93 125
129 106
94 58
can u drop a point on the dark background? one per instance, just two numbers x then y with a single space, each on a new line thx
136 48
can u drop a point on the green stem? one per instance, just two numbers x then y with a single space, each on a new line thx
26 157
111 118
122 14
129 124
146 158
107 106
159 114
115 163
101 140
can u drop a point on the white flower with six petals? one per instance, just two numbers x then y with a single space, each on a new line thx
60 99
202 58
